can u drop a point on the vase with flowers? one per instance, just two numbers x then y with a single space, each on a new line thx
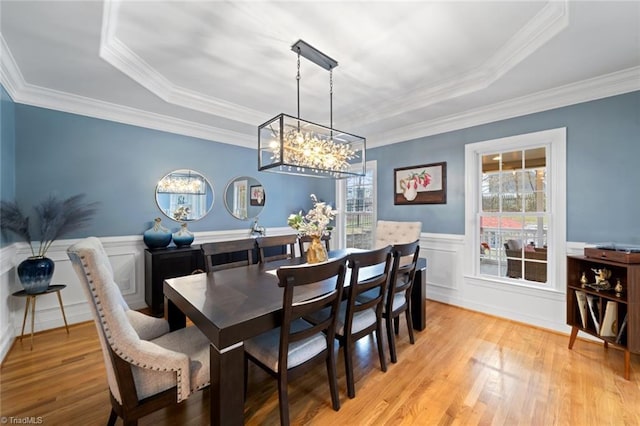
314 224
56 218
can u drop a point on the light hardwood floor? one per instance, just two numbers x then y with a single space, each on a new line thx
466 368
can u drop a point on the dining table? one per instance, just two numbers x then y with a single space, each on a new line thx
232 305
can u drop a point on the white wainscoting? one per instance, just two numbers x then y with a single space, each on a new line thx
127 258
445 283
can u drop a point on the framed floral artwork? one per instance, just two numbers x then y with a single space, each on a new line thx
425 184
257 195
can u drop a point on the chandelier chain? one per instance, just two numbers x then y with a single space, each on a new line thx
298 82
331 101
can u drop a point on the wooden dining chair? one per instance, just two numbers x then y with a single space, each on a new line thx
398 300
148 367
228 254
276 247
361 316
292 348
304 240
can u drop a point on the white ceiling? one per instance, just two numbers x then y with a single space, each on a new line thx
217 70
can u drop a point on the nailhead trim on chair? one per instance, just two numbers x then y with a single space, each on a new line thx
116 349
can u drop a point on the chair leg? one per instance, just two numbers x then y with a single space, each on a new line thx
333 380
383 361
348 366
409 324
396 325
283 398
392 341
112 418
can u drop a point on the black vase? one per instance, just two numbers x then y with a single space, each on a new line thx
35 274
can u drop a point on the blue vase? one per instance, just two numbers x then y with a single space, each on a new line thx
35 274
157 236
183 237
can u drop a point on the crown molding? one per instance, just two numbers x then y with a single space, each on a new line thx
612 84
552 19
116 53
10 75
29 94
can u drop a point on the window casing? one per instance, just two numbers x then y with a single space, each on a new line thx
356 202
515 209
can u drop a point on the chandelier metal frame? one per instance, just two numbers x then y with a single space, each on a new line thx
291 145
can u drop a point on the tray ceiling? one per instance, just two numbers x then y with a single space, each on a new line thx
217 70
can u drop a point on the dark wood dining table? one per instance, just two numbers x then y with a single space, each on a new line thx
233 305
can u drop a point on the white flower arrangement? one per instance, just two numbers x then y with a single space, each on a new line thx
316 222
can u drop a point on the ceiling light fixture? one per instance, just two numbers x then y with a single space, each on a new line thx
295 146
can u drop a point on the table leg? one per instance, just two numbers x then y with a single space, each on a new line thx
175 316
418 299
24 320
64 317
33 315
226 392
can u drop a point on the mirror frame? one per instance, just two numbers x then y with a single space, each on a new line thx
208 189
254 201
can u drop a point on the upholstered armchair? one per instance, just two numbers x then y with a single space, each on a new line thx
389 233
147 366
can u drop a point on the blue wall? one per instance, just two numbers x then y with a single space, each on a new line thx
119 165
7 152
603 180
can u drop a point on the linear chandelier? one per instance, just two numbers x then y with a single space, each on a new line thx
295 146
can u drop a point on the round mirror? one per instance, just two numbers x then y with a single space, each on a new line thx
184 195
244 197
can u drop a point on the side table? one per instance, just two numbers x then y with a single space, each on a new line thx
31 301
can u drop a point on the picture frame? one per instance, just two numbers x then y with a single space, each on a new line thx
424 184
257 195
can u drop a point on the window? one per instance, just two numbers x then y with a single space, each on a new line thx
356 201
516 208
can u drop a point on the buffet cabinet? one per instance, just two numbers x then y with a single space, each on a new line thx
161 264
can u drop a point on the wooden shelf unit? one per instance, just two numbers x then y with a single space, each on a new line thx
628 303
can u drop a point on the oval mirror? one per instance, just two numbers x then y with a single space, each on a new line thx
244 197
184 195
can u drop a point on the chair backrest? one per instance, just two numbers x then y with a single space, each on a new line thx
277 247
295 279
375 286
89 256
390 233
405 261
109 309
136 367
303 240
228 254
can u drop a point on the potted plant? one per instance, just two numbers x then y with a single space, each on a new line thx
56 218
